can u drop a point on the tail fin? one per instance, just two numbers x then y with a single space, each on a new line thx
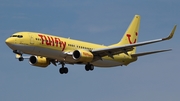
131 34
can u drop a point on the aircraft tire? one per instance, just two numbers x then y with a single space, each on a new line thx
87 68
63 70
21 59
91 67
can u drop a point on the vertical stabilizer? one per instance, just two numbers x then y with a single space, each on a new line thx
131 34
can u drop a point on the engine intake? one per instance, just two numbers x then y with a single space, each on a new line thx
39 61
82 56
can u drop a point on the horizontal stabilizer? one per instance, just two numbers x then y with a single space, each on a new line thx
147 53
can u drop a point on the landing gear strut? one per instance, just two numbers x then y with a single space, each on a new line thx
19 55
89 67
63 70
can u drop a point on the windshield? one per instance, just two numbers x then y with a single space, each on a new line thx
19 36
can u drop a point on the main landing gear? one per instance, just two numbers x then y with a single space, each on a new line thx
89 67
63 70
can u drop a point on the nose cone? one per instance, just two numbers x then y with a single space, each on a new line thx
9 41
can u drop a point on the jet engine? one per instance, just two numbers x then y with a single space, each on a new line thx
39 61
83 56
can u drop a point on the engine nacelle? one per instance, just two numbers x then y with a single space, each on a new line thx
83 56
39 61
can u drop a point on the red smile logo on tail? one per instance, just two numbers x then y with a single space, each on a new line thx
129 38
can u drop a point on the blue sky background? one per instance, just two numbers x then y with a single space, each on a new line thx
151 78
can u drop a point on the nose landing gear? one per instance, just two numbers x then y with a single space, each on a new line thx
18 55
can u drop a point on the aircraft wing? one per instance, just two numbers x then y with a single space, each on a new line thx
110 51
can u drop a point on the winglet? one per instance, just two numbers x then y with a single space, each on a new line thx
171 34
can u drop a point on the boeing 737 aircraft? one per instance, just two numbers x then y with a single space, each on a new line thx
46 49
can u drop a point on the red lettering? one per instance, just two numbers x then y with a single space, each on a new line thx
41 36
53 41
63 45
48 41
57 40
60 42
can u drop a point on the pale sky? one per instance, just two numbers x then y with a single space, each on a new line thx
151 78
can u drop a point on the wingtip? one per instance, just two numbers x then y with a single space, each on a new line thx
171 34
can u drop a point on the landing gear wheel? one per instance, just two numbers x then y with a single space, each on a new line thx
63 70
21 59
89 67
86 68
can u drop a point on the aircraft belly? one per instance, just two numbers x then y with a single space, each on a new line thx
106 63
23 48
50 53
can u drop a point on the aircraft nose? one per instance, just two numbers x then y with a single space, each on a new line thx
9 41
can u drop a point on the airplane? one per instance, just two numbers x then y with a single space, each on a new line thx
47 49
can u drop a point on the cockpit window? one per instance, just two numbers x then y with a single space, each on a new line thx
19 36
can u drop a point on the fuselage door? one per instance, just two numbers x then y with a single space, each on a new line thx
15 40
31 39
